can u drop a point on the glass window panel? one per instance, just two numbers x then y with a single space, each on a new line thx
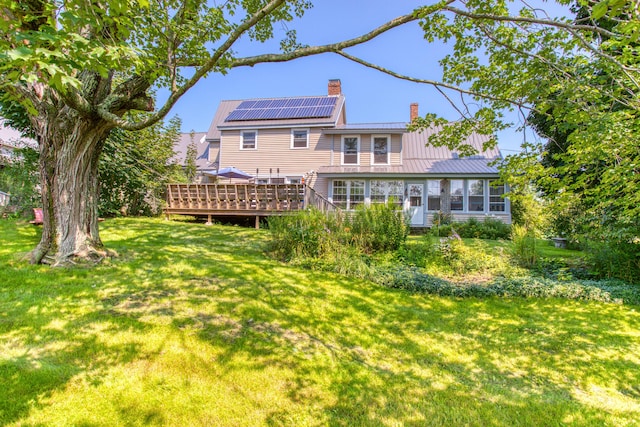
381 150
457 194
476 195
300 139
496 199
248 140
350 151
340 194
356 196
433 195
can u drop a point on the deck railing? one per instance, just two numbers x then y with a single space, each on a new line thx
242 199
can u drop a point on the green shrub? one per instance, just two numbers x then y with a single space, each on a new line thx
378 227
614 259
305 234
313 234
460 258
524 251
488 228
417 253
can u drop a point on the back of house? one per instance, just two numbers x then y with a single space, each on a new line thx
307 140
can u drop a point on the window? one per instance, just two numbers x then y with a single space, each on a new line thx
348 194
299 138
380 150
476 195
249 140
294 179
433 195
385 191
457 195
350 150
277 181
496 199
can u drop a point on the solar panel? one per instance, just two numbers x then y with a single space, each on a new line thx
284 108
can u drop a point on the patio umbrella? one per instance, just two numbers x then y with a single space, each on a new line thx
231 172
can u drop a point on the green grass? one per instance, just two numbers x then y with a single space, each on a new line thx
194 325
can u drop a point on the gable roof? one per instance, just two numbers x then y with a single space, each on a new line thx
202 150
226 108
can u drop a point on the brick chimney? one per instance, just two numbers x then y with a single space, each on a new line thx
414 111
335 88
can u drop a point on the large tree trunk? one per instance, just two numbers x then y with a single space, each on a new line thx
70 147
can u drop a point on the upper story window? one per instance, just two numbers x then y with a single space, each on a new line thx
496 196
476 195
249 140
380 150
350 150
299 138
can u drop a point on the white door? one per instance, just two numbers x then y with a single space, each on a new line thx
415 203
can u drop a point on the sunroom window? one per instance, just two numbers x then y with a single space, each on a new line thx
385 191
496 199
476 195
457 195
348 194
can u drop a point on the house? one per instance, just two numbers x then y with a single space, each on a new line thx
206 159
10 141
308 140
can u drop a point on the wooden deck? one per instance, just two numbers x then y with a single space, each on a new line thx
257 200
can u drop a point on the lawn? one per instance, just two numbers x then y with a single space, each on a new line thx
194 325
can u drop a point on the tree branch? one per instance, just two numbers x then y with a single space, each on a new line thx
434 83
545 22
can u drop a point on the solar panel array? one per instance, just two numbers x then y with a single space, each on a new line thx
284 108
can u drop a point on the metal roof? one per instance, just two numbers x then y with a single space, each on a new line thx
391 127
202 147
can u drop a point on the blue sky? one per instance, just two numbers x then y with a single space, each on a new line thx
371 96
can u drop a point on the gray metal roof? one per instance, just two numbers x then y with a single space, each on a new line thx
226 107
391 127
202 147
415 145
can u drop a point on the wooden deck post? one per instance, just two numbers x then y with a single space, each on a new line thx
257 222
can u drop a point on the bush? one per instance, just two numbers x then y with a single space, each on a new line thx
489 228
305 234
313 234
614 259
378 228
524 250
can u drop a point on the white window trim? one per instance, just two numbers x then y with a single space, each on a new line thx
373 160
342 150
242 139
469 195
299 148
